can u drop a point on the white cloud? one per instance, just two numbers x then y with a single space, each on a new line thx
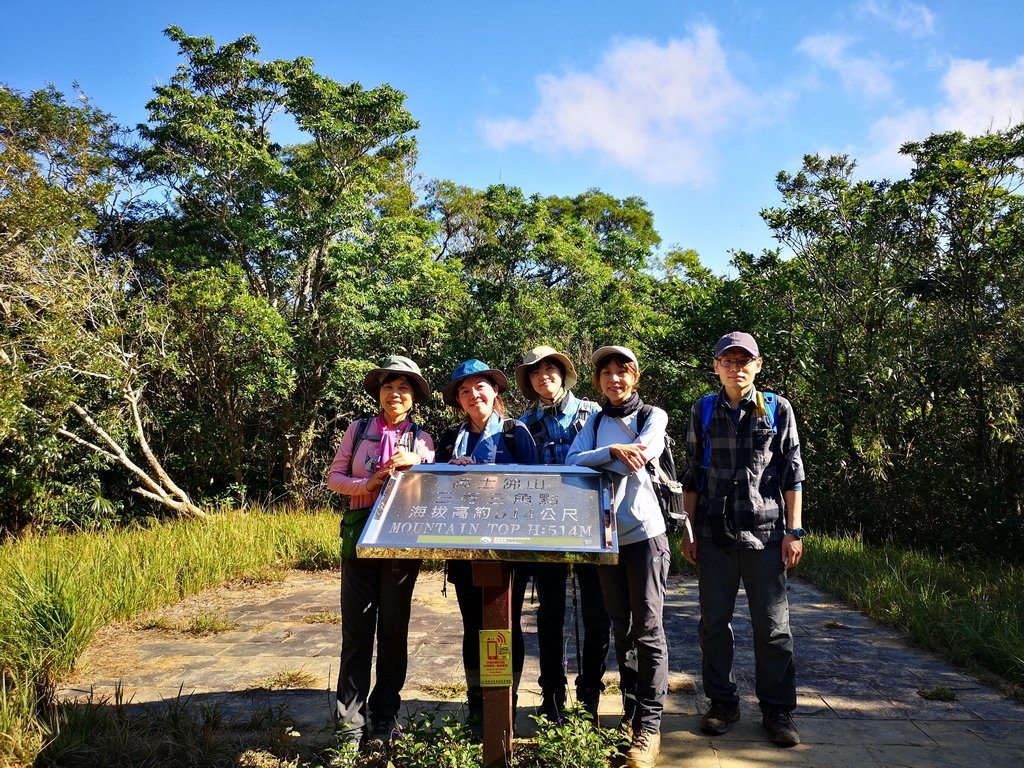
913 18
858 74
651 109
977 98
981 98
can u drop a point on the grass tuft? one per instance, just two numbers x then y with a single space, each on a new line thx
287 679
937 694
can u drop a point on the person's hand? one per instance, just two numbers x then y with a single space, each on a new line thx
402 460
633 455
688 550
377 479
792 550
464 461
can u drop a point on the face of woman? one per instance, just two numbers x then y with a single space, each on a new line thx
546 380
617 383
476 397
396 398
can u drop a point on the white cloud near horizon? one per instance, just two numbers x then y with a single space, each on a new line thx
859 74
651 109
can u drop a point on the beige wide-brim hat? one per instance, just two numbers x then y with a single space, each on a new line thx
533 357
397 365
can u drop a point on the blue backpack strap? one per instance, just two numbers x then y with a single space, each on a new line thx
707 411
771 408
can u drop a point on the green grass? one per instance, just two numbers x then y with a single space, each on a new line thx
971 613
56 590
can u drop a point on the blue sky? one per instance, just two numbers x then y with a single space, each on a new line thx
693 106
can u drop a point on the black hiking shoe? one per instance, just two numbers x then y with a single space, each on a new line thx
719 717
552 705
780 727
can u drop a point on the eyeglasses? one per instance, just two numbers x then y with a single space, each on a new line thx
735 362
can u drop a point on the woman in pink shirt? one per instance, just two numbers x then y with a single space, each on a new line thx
376 594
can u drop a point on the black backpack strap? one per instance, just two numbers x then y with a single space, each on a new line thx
586 409
641 417
361 426
508 429
446 445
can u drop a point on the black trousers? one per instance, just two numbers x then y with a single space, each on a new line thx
550 580
471 606
376 600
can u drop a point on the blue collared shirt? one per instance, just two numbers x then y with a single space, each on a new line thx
554 427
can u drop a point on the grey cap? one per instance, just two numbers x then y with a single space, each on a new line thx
403 366
603 352
533 357
737 339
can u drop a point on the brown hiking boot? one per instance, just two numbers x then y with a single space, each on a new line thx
719 717
644 751
780 726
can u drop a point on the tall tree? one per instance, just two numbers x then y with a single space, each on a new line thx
311 226
906 298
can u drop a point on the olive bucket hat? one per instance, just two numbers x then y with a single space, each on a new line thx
533 357
397 365
472 368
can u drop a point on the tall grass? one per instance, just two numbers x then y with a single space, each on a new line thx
972 613
56 590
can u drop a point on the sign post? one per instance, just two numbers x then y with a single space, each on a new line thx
494 514
495 579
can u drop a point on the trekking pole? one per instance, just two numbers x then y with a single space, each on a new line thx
576 621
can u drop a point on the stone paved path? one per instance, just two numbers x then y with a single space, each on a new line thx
858 683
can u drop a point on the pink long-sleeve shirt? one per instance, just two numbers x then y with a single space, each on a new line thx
353 484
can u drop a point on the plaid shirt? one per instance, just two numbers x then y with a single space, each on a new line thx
748 463
554 427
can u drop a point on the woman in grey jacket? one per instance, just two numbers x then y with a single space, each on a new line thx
622 440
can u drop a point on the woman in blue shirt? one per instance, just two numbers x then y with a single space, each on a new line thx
484 436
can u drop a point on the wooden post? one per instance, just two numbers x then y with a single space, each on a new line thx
495 579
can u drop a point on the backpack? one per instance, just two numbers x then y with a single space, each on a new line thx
766 401
663 476
539 432
446 445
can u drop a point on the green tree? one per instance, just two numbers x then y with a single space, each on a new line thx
558 270
72 343
324 232
906 300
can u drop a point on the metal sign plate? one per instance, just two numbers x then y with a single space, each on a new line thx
494 512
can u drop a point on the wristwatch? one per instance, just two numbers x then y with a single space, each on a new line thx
798 532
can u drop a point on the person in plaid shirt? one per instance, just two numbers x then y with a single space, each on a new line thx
742 487
547 377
